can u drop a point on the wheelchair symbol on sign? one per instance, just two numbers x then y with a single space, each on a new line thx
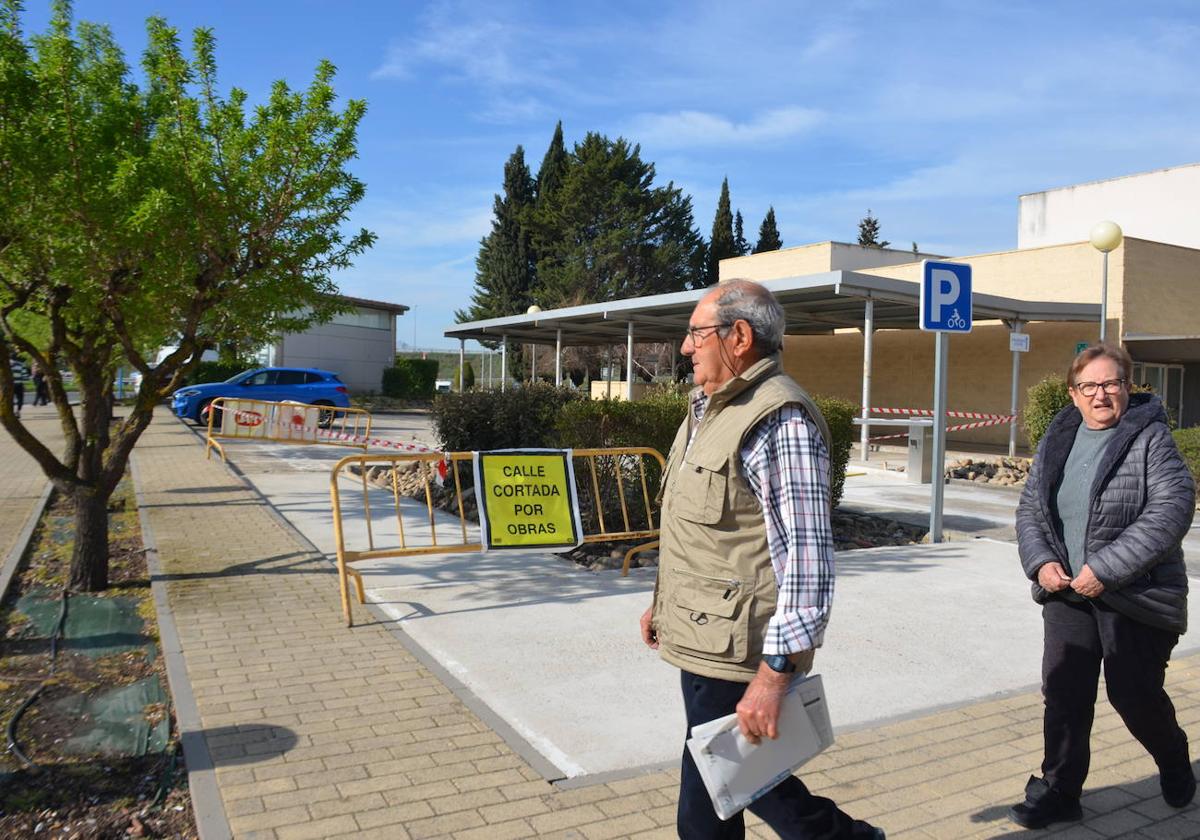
955 321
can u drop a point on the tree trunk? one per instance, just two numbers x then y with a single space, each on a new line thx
89 559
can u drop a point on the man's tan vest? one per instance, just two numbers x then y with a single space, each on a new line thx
716 586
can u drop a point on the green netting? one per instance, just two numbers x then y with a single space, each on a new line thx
95 626
114 723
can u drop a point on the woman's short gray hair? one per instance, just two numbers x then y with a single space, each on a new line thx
745 300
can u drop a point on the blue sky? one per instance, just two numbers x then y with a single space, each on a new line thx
935 115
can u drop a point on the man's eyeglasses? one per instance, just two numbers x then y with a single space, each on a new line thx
1111 386
698 334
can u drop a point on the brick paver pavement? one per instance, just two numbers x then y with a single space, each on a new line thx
22 481
321 731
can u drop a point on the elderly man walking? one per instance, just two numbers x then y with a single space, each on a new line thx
745 574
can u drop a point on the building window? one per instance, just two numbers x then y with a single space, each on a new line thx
375 319
1167 382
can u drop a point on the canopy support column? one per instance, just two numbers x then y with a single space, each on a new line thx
629 361
868 347
1015 326
558 358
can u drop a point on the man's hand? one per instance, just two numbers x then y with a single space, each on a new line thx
1052 578
649 636
1087 584
758 710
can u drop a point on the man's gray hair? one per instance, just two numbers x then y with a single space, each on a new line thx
745 300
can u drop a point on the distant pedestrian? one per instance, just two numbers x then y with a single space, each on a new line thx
20 375
1100 526
41 395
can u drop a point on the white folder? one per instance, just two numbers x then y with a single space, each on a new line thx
736 772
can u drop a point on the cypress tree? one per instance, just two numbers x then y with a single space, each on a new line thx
504 267
868 232
721 243
554 167
768 234
740 246
605 231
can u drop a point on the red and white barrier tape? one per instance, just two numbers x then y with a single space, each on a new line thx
927 412
302 433
991 420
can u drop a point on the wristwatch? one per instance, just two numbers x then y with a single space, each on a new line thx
779 663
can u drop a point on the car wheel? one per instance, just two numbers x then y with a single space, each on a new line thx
202 415
326 415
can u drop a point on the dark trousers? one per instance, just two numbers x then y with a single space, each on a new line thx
19 395
1079 636
789 809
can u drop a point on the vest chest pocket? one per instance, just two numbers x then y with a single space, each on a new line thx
698 493
709 616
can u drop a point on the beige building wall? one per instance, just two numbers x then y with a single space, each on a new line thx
1161 292
816 258
1153 289
979 371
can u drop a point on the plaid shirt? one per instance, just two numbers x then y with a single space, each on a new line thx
786 464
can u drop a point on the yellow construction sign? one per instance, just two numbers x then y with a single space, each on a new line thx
527 499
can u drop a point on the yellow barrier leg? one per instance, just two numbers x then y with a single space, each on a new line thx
637 549
344 585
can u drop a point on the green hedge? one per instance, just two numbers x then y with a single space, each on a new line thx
603 424
216 372
491 419
541 415
1042 402
839 415
467 374
1188 441
410 379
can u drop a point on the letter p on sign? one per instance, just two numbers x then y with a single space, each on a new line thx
945 297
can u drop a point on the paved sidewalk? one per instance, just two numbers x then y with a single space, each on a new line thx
22 481
320 731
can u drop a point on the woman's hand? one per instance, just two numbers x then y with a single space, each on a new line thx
1087 584
1052 578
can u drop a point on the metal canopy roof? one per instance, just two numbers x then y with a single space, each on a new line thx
814 304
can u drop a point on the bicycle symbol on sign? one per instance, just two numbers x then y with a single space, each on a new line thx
955 321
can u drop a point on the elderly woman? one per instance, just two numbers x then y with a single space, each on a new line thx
1099 524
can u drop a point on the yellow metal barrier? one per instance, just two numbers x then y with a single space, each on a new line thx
236 418
620 471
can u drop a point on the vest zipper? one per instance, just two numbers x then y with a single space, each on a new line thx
733 584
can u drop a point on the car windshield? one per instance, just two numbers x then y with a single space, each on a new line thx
236 378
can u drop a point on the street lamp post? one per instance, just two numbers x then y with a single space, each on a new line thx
1106 236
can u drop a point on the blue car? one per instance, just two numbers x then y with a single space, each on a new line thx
273 384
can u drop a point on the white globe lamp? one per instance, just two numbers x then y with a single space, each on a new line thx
1105 237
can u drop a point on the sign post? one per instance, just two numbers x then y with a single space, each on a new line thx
945 307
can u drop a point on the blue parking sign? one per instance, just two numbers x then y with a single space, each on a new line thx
945 297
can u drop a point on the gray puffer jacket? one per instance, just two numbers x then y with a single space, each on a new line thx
1141 506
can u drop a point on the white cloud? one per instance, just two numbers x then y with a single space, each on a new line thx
697 128
418 226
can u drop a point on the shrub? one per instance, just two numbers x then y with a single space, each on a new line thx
1188 441
603 424
839 416
613 424
1042 402
464 378
410 379
216 371
489 419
